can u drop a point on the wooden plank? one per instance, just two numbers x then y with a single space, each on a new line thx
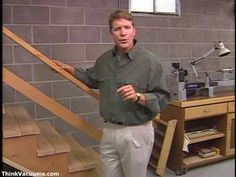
44 148
156 154
231 107
164 146
20 153
24 120
55 140
3 109
159 132
161 121
206 138
230 134
49 104
79 158
197 159
47 61
96 156
10 125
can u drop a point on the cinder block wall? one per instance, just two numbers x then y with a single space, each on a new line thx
76 32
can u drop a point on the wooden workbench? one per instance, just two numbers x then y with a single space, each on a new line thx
200 113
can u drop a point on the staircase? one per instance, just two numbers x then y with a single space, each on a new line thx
35 146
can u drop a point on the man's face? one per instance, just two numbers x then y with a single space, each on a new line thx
123 34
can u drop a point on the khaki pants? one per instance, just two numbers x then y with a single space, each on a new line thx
125 150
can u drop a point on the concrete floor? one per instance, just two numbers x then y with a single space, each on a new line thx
224 168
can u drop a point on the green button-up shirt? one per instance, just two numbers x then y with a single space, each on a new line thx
138 67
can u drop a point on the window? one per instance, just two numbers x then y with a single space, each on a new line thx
155 6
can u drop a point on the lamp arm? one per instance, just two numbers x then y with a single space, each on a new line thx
203 56
195 72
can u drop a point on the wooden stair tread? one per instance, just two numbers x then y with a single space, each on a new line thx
25 121
44 148
48 139
25 159
18 122
79 158
10 126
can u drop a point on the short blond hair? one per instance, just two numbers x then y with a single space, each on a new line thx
119 14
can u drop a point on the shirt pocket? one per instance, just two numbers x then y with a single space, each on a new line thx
103 79
104 85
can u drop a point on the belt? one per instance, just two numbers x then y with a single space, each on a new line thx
118 123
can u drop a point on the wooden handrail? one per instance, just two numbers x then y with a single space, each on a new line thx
48 103
46 60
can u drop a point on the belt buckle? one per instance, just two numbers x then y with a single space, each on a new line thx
125 124
117 123
120 123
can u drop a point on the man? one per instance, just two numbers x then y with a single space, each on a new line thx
132 91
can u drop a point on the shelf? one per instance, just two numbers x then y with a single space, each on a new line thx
158 144
155 153
159 132
201 133
196 159
206 138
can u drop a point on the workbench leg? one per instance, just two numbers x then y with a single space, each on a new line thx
181 171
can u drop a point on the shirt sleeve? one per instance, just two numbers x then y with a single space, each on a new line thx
158 95
88 77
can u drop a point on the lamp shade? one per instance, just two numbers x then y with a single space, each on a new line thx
222 50
217 46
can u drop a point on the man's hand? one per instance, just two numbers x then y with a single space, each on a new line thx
64 66
128 93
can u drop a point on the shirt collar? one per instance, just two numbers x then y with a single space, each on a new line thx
131 53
